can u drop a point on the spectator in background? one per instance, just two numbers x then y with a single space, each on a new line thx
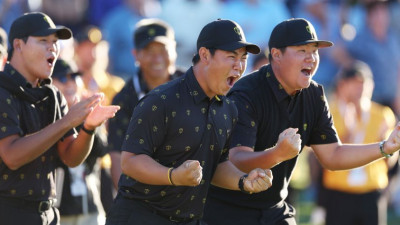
371 41
3 48
360 192
118 27
79 187
155 54
92 59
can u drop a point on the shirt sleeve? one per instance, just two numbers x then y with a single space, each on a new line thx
324 131
245 131
147 127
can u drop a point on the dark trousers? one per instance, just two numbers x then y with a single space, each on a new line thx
355 209
217 212
133 212
12 214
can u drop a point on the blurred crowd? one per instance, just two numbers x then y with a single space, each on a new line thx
100 58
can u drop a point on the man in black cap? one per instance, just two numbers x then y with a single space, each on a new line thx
37 128
281 109
176 143
3 48
155 55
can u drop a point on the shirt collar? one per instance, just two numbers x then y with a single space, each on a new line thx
277 88
20 80
194 87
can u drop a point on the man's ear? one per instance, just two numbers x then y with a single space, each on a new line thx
276 54
204 54
17 44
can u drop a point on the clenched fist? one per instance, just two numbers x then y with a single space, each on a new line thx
258 180
289 144
189 173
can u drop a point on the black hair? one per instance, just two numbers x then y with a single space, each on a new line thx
196 58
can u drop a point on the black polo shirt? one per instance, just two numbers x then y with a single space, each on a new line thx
35 180
174 123
265 110
127 99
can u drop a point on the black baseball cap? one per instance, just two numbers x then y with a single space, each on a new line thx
3 41
225 35
63 70
36 24
293 32
149 30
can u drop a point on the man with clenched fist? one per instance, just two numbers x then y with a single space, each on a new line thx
178 138
281 109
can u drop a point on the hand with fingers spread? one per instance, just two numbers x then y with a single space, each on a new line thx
91 111
258 180
189 173
289 144
100 114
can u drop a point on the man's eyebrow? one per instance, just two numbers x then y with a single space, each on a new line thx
236 53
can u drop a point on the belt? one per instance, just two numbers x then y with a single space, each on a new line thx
38 206
145 206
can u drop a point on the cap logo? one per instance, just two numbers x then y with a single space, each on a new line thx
49 21
151 32
308 29
311 31
237 30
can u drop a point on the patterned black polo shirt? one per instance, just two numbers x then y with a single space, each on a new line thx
127 99
174 123
265 110
35 180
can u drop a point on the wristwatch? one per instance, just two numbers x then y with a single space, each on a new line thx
384 154
241 184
